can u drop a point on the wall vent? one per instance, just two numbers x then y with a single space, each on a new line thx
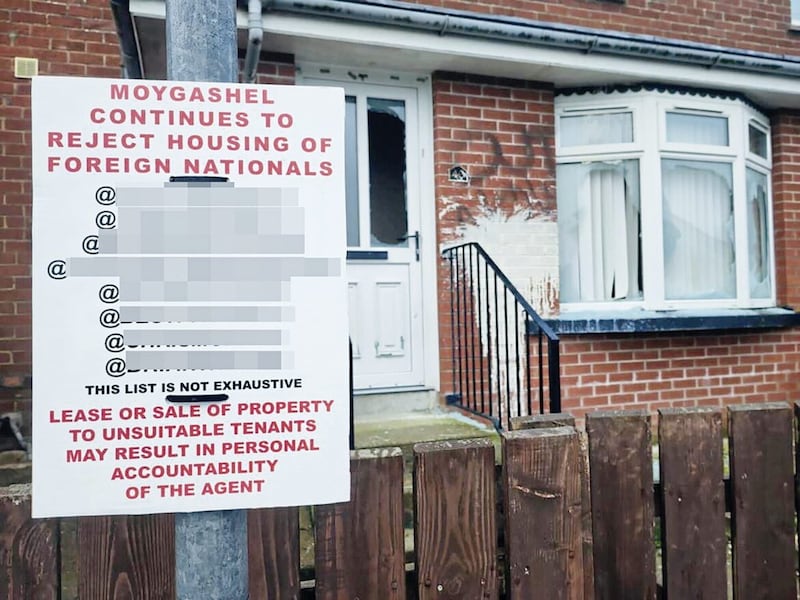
25 68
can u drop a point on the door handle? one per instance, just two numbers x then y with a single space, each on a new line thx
416 237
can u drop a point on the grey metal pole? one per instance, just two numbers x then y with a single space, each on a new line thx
210 547
201 40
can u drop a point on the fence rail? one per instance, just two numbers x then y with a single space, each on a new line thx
505 357
567 516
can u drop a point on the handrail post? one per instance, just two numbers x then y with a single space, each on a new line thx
554 375
455 374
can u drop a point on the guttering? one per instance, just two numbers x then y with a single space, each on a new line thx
254 40
443 22
127 39
417 17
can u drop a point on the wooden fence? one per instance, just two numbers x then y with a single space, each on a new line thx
540 526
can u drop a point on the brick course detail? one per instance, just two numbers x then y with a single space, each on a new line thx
613 372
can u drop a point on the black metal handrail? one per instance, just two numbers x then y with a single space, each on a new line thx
491 330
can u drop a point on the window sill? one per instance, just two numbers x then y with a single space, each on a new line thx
644 321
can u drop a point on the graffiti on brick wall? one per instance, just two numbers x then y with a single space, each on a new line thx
516 179
509 207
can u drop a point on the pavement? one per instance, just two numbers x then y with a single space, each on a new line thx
406 429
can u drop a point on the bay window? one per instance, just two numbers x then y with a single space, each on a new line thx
663 201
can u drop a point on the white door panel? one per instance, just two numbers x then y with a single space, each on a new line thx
391 322
381 329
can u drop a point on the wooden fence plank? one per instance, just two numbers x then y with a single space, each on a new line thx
621 468
28 549
360 544
763 501
693 501
455 533
567 420
586 521
126 557
273 548
541 420
68 550
543 513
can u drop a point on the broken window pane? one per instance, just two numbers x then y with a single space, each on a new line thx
699 258
387 172
758 235
599 225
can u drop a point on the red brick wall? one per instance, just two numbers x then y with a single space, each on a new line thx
276 69
760 25
679 370
786 205
502 131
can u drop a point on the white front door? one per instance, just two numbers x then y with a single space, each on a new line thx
384 244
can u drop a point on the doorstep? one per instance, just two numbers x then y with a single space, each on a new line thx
406 429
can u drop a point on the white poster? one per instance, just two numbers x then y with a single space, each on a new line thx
189 301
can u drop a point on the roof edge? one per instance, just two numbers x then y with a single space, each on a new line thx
445 22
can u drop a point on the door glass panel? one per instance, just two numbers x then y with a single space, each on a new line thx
387 172
351 170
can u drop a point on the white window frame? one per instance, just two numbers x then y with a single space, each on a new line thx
649 147
795 14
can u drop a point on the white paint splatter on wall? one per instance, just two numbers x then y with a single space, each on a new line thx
524 245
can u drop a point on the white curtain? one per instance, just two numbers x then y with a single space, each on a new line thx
608 254
599 228
699 259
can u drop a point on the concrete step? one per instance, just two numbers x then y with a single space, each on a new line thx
406 429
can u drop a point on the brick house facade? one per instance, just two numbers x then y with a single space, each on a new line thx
493 82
